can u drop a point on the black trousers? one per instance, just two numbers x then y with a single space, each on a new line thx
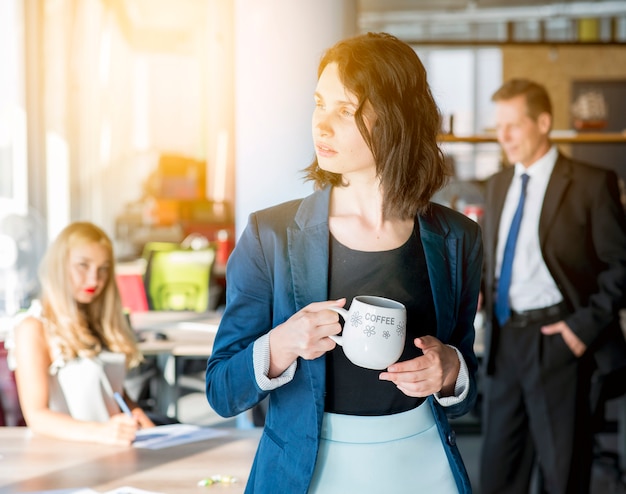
536 410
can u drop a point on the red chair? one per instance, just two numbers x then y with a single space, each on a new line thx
10 411
132 292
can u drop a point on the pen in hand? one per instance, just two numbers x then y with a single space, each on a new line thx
122 404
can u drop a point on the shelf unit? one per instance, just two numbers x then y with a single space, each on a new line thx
574 138
578 140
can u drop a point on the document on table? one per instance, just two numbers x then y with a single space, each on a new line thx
80 490
86 490
197 326
165 436
130 490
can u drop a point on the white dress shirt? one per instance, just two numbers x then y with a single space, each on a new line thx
532 286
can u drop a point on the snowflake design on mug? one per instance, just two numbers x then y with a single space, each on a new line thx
356 319
400 328
386 335
369 330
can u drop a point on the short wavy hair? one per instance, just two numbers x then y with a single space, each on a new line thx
385 72
537 97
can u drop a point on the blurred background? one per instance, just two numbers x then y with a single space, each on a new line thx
157 119
167 122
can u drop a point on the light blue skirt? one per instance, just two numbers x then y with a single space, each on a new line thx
399 453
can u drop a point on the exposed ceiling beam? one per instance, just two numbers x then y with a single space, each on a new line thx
369 20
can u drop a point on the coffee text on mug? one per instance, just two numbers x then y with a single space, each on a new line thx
379 318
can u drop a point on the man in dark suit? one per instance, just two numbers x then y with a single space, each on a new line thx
552 296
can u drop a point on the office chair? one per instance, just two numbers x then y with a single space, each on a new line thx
149 249
179 279
10 410
132 291
154 246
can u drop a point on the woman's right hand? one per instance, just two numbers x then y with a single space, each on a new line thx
119 430
305 334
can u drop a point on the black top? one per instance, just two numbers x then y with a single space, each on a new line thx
400 274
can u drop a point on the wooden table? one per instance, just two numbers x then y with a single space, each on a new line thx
34 463
189 335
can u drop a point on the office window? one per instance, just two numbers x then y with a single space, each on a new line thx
462 81
13 174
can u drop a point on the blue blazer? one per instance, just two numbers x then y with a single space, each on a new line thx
279 266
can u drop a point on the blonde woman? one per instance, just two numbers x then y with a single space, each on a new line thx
71 350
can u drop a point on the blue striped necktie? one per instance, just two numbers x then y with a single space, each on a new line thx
502 307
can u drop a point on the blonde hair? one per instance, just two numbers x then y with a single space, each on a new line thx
100 325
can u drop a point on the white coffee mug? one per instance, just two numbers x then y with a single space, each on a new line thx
374 331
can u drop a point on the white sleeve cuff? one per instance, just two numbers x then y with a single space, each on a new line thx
261 361
461 387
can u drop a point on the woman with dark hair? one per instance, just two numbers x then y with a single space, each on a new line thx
368 229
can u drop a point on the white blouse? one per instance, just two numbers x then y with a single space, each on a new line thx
81 387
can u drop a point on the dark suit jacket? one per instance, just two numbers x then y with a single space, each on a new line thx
582 233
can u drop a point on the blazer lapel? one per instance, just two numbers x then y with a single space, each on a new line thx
307 243
441 249
308 250
496 195
501 188
559 181
439 273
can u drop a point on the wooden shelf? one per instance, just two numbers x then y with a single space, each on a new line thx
558 138
506 43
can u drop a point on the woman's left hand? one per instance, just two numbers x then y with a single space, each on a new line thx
142 419
434 372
